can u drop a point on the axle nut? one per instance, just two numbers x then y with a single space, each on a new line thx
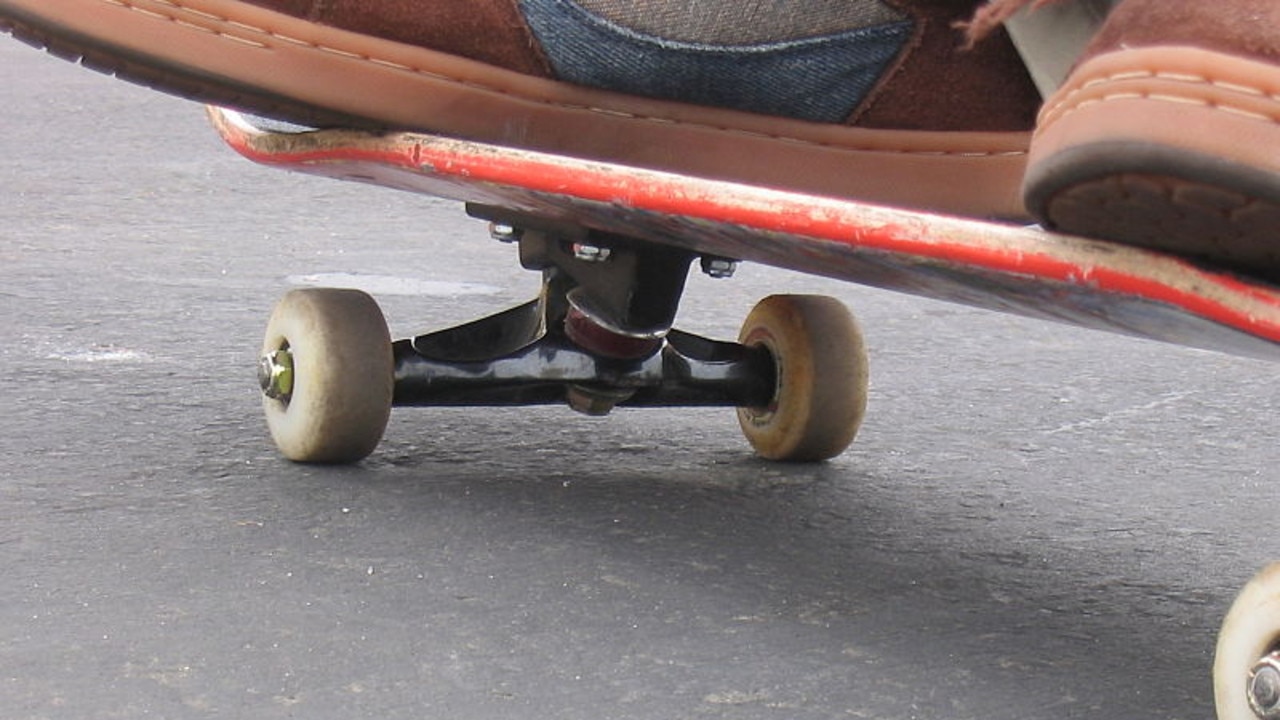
275 374
1264 687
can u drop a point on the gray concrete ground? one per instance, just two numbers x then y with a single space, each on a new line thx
1036 522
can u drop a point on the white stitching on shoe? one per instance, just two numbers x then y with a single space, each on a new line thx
1069 103
178 7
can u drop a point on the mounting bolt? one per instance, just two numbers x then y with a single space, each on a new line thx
718 267
275 374
587 252
502 232
1264 687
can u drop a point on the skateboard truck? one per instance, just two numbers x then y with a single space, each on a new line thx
599 335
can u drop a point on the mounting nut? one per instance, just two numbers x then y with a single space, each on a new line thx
718 267
502 232
587 252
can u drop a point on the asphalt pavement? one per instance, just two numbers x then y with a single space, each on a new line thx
1035 522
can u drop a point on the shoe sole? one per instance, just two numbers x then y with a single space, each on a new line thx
240 55
1168 148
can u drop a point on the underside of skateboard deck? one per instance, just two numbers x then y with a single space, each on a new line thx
1000 267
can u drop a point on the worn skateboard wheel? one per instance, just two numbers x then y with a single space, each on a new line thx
820 394
1246 665
327 375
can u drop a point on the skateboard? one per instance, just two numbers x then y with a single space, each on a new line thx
615 244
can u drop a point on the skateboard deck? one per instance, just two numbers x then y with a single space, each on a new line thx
1006 268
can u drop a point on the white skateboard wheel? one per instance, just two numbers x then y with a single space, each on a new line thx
334 375
1242 678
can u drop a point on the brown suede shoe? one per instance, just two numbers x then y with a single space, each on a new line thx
871 99
1167 134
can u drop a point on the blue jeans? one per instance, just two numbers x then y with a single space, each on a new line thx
822 79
